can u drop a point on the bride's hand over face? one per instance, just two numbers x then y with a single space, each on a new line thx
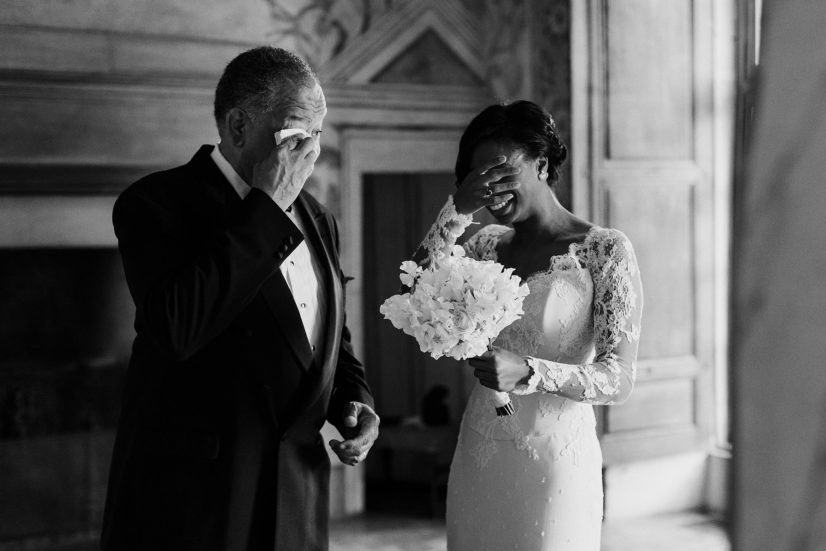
500 369
483 186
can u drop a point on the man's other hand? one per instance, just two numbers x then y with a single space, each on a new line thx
360 429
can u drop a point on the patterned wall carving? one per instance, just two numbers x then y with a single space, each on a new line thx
318 30
526 45
551 65
505 45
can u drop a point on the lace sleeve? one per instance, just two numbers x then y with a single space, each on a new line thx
442 236
617 312
482 244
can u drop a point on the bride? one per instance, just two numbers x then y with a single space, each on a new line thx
532 480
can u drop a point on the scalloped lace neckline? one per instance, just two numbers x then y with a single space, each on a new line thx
573 248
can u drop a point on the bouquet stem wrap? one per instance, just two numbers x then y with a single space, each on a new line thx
457 306
502 402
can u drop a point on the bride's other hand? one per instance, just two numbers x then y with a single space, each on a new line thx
484 186
500 369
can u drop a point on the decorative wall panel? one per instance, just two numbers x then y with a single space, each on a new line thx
649 95
650 142
664 243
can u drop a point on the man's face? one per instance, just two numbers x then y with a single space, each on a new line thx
303 107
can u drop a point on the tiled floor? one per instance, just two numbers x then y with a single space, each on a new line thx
683 532
399 518
395 532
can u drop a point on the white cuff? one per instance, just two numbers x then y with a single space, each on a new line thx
533 381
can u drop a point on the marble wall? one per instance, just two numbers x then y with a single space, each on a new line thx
95 93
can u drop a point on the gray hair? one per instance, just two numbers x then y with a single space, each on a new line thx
257 79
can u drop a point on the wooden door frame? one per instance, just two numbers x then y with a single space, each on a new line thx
712 47
371 150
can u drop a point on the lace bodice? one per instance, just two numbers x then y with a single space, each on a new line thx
589 297
579 334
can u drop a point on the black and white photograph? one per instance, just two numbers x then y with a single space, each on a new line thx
412 275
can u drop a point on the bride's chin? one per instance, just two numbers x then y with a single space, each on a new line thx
505 213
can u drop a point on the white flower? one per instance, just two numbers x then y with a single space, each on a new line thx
409 272
463 323
457 305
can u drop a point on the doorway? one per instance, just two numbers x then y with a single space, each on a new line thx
398 211
421 399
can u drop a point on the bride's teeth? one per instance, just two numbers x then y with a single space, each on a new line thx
499 206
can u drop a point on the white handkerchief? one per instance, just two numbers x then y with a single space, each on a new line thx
282 135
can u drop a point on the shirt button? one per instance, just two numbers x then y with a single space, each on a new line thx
303 304
292 262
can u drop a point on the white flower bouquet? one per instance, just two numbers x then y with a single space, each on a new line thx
457 306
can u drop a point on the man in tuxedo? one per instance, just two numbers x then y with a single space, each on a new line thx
242 350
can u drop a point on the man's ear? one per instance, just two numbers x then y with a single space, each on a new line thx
237 124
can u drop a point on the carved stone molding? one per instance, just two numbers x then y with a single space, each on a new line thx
354 40
398 30
551 68
552 62
505 48
319 30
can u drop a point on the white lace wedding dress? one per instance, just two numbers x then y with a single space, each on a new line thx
533 481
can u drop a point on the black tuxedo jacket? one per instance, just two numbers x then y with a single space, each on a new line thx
218 444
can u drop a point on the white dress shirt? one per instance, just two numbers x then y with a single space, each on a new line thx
301 269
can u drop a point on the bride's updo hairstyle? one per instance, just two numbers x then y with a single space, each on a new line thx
523 124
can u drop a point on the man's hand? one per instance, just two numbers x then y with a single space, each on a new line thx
282 174
360 429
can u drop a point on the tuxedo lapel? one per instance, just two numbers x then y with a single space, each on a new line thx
318 229
221 200
317 226
280 301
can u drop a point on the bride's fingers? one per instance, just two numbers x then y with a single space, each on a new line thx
484 193
491 163
490 171
485 377
501 187
488 187
483 360
496 174
477 362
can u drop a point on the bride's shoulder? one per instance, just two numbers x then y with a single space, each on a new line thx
598 235
482 244
490 232
494 229
607 243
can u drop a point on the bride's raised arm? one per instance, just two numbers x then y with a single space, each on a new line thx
442 235
482 186
617 311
